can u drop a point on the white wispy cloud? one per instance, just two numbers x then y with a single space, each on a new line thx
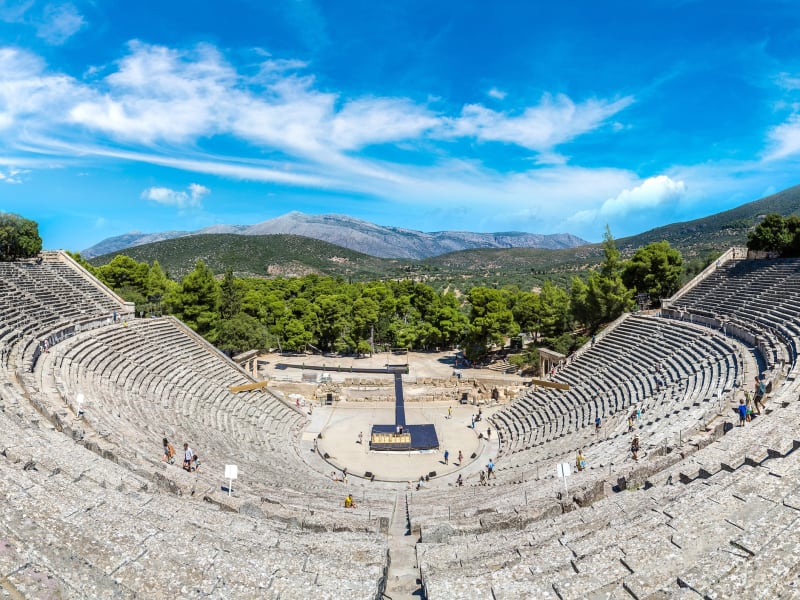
14 11
12 175
191 198
784 139
58 23
160 94
55 23
371 121
30 98
164 106
496 94
555 120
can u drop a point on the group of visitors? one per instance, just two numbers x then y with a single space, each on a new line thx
489 473
476 418
752 404
446 457
191 461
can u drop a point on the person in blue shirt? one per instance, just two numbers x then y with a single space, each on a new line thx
742 412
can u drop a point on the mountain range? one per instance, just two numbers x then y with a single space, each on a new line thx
699 241
357 235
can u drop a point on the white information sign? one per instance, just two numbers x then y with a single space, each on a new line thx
231 473
564 470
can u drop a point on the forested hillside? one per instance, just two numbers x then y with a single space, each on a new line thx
338 315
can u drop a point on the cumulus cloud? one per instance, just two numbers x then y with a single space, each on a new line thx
496 94
182 199
654 193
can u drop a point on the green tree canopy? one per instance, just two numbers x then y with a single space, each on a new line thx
239 333
230 303
771 235
196 300
776 234
491 319
157 281
604 296
124 272
554 311
654 269
19 237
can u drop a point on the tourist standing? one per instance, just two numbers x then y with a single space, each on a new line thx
187 456
580 461
169 452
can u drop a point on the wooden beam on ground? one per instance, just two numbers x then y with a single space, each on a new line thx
246 387
550 384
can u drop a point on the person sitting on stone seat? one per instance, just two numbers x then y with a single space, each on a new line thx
349 502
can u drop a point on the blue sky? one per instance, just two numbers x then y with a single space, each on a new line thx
526 116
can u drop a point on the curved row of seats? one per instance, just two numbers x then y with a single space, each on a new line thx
148 379
76 525
669 371
104 517
761 295
716 516
731 534
735 508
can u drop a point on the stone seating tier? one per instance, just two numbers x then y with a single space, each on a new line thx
619 375
79 526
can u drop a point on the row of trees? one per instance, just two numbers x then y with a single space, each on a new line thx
331 314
